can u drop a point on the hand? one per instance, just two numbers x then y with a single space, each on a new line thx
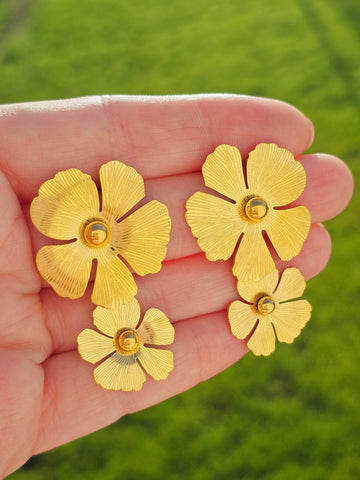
47 394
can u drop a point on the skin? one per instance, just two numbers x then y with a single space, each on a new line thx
47 395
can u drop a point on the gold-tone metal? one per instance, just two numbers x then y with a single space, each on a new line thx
256 209
95 233
273 179
267 307
127 341
68 208
124 346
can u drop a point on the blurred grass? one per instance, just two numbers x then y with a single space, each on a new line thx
296 414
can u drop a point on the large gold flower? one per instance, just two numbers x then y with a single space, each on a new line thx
126 342
273 179
68 208
268 308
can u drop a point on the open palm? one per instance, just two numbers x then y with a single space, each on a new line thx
47 392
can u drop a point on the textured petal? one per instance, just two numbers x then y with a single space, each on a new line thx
110 321
157 363
120 373
93 346
292 285
64 203
114 284
122 187
215 223
223 172
242 319
155 329
274 174
250 290
288 230
65 267
142 237
262 341
289 318
253 260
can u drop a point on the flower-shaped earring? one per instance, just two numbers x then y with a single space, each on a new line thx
68 208
253 205
126 344
266 307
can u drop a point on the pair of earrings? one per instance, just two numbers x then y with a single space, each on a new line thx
68 208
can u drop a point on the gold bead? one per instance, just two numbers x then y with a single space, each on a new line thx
127 341
256 209
96 234
265 305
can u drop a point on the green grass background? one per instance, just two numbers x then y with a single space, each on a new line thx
294 415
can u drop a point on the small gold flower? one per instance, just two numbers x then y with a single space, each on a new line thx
268 308
273 179
68 208
125 341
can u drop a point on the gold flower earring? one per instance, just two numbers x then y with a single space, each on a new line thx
68 208
126 343
268 305
274 179
254 203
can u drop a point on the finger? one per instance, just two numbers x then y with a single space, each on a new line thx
203 347
159 136
184 288
21 392
328 190
20 320
329 186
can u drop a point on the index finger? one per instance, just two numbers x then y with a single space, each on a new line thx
159 136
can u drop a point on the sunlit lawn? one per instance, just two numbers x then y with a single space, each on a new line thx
294 415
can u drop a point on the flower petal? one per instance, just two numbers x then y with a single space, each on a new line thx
122 187
110 321
157 363
93 346
242 319
292 285
215 223
142 237
114 284
120 373
288 231
262 341
64 203
156 329
223 172
253 260
289 318
249 291
65 267
274 174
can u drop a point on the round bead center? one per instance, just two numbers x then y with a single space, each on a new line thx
127 341
96 233
256 209
265 305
